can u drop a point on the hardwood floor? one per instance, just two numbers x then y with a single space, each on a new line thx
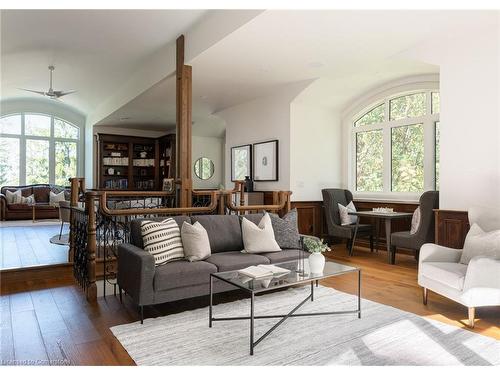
27 246
51 323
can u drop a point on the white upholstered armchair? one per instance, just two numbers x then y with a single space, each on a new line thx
474 284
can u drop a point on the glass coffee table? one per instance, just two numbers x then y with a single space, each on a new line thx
296 276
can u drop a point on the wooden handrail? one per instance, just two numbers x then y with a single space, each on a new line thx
283 197
105 210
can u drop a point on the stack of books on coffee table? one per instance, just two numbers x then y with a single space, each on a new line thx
263 271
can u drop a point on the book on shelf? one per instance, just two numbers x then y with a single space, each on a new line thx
263 270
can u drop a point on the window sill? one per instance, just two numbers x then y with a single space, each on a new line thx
387 198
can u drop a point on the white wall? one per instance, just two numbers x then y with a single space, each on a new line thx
315 151
470 120
262 119
212 148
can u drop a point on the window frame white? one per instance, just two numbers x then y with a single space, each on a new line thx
52 144
372 100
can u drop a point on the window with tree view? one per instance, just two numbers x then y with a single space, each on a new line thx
37 148
395 142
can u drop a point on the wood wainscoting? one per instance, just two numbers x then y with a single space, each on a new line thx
451 228
311 218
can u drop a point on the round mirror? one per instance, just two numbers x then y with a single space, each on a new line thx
204 168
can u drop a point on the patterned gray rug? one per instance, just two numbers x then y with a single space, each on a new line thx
383 336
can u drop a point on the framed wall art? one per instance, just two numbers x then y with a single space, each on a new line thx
265 161
241 162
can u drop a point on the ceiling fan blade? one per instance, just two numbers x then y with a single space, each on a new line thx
36 92
58 94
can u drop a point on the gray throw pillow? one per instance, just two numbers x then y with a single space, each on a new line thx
286 230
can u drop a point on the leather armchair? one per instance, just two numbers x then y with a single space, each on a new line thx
473 285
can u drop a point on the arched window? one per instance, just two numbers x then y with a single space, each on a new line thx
38 148
395 144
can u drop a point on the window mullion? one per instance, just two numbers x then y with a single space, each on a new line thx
52 153
386 134
22 153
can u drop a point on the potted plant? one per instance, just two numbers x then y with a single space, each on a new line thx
316 260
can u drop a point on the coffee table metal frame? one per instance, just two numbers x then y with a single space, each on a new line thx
291 314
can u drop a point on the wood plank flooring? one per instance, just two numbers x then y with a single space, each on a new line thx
51 323
27 246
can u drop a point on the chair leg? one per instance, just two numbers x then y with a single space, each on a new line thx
120 291
348 246
141 311
417 255
393 254
425 294
472 313
371 243
60 230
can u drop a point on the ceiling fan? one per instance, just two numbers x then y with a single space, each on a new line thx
51 93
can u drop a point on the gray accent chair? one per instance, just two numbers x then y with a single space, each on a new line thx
331 198
150 285
425 233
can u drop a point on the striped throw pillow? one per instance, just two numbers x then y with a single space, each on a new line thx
162 239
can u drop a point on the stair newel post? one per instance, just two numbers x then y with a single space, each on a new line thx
91 246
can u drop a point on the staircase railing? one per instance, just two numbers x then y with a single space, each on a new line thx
100 220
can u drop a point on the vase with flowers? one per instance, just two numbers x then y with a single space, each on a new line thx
316 260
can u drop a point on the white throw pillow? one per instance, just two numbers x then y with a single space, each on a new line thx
345 218
162 239
28 200
54 198
415 221
195 241
13 197
479 242
259 239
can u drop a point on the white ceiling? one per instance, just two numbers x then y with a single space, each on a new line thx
345 52
93 51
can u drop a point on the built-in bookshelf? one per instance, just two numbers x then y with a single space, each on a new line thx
134 163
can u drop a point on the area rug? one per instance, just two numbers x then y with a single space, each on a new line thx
64 240
383 336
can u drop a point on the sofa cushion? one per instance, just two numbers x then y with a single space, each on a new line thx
235 260
449 274
285 255
19 207
224 231
182 273
480 243
286 230
13 197
195 241
55 198
258 238
135 228
162 240
41 193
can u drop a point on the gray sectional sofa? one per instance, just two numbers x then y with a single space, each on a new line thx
150 285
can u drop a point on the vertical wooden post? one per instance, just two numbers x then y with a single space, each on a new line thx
91 246
75 183
183 125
